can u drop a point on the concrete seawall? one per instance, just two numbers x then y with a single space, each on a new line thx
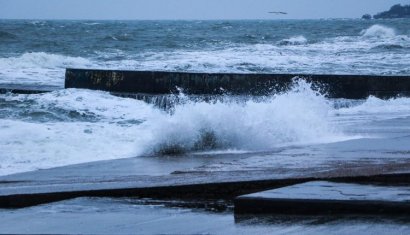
156 83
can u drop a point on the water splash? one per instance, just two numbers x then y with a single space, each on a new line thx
299 116
38 68
298 40
378 31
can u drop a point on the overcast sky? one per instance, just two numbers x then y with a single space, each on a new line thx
190 9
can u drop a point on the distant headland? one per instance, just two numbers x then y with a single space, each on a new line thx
396 11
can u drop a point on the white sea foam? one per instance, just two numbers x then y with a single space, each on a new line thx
376 108
27 146
297 117
123 128
379 31
91 126
364 53
119 127
92 23
38 68
343 54
112 132
297 40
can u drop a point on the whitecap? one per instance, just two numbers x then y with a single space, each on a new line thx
298 40
378 31
300 116
39 68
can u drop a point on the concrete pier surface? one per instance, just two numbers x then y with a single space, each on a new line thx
322 197
154 82
108 197
133 216
213 176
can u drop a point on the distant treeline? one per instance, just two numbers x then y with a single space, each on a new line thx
396 11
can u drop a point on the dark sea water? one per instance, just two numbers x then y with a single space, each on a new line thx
38 51
33 128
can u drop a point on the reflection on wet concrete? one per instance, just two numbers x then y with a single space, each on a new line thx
129 216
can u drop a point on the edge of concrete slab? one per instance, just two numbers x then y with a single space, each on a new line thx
23 195
326 198
223 190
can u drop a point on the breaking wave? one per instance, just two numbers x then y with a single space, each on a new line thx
119 37
379 108
379 31
376 50
389 47
299 116
298 40
38 68
75 126
68 127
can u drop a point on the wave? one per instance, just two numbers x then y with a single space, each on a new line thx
69 127
326 57
298 40
121 37
38 68
394 107
91 23
389 47
300 116
7 36
378 31
28 146
73 105
38 22
41 59
103 127
342 54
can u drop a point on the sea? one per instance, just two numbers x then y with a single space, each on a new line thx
72 126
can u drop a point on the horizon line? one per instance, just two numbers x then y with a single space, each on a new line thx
176 19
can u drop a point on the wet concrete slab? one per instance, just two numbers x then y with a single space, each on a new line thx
323 197
216 185
210 175
130 216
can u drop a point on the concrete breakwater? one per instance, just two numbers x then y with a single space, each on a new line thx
159 83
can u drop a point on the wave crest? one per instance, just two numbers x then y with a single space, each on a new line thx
7 36
299 116
298 40
378 31
389 47
120 37
39 68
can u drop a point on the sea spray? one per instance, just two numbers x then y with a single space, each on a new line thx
299 116
74 126
378 109
297 40
77 126
378 31
38 68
